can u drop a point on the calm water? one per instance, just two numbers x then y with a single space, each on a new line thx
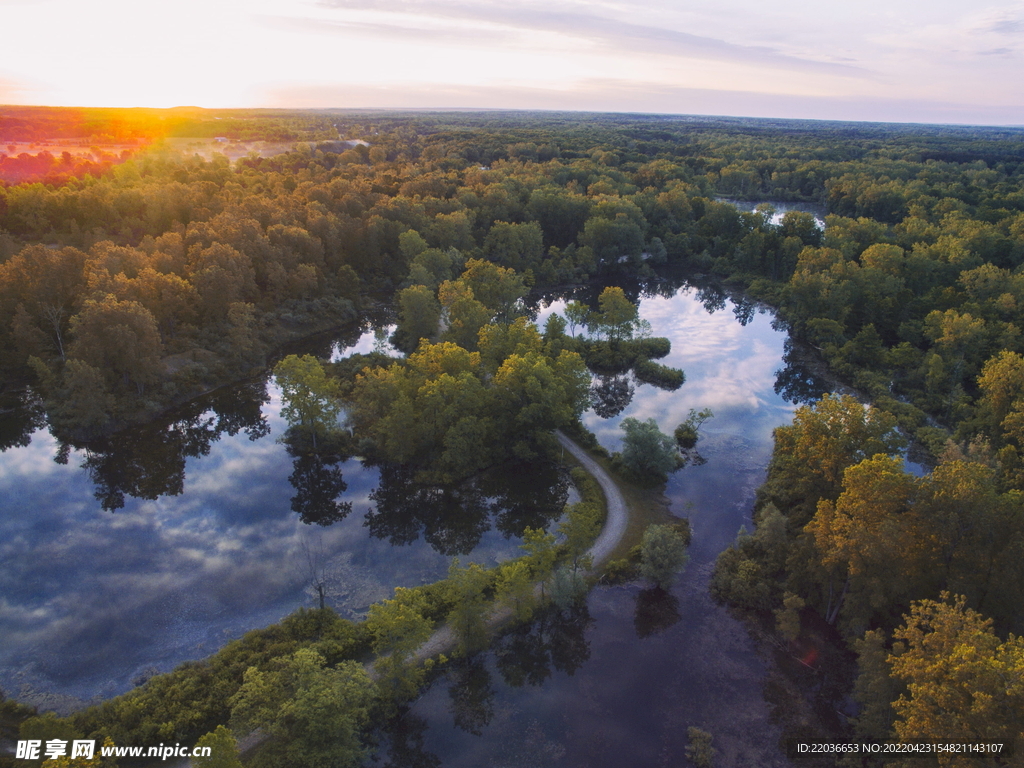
130 557
620 683
781 209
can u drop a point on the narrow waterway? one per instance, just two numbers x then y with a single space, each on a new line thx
620 683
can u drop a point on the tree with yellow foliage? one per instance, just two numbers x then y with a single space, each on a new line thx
962 682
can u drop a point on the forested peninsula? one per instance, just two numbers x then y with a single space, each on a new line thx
167 274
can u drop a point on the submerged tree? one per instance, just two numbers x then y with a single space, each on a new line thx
647 451
310 399
662 554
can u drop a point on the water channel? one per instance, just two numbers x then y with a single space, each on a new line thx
124 559
620 683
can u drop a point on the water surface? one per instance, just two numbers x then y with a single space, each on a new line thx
130 555
619 683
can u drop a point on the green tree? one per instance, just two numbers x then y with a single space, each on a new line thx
467 614
516 246
45 286
662 554
647 451
313 714
310 399
812 453
463 316
538 395
412 244
223 750
618 315
875 689
514 589
686 433
580 528
419 315
83 403
398 628
541 552
243 334
568 587
497 288
119 337
577 314
699 750
867 542
433 266
612 238
787 618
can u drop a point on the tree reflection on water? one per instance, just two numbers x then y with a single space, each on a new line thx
453 518
148 462
610 395
471 694
555 640
656 611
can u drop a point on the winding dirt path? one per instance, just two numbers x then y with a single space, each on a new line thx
618 515
444 638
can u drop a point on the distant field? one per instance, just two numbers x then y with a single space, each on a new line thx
75 148
232 149
59 159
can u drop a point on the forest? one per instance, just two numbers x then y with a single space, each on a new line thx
137 286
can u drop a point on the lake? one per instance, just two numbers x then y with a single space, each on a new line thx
127 557
132 555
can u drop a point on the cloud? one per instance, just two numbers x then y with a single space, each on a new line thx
448 36
575 21
642 97
1003 21
979 33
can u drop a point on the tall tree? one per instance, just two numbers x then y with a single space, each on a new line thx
662 554
310 398
398 628
119 337
314 714
648 451
961 679
618 314
419 315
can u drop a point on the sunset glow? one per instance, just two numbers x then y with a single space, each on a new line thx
902 61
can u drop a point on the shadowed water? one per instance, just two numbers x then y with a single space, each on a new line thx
620 684
160 546
130 555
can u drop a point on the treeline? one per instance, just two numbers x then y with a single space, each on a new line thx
113 126
48 169
906 568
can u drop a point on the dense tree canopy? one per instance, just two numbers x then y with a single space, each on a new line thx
162 276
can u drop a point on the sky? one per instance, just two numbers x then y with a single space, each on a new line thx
941 61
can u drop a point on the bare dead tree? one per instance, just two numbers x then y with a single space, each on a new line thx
316 570
54 315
